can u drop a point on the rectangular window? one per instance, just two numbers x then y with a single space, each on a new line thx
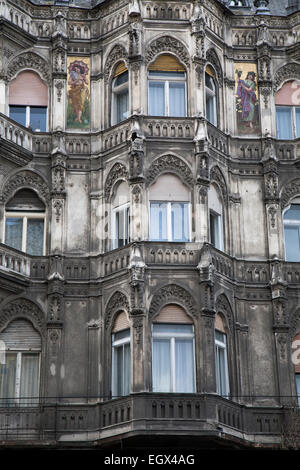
169 221
173 366
122 104
157 98
298 388
25 233
221 364
121 363
177 99
19 379
167 94
30 116
297 122
121 226
216 231
292 242
284 122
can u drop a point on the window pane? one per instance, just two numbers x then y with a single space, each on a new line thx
284 122
298 387
38 118
121 106
121 372
210 108
221 371
161 366
297 122
158 221
118 371
156 98
35 237
18 113
292 246
177 99
220 336
126 383
13 232
172 328
184 366
29 389
293 213
215 230
166 75
123 78
8 380
180 222
209 82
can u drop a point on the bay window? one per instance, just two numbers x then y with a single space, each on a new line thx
20 369
28 101
166 87
291 222
121 361
287 111
121 216
210 96
221 358
216 233
25 223
120 95
169 210
173 363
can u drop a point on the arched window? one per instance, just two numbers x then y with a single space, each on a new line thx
28 101
169 210
120 215
166 87
210 96
173 356
120 95
121 363
216 230
20 369
25 223
296 362
221 357
288 111
291 222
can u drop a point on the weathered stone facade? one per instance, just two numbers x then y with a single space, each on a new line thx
74 292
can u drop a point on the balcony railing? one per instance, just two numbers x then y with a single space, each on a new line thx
171 414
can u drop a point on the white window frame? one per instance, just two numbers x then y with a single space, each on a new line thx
28 107
290 222
17 399
126 209
220 229
114 373
213 94
293 120
167 81
172 338
222 345
116 90
25 216
169 220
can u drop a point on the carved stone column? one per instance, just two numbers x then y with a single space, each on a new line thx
202 158
271 198
55 327
206 273
137 185
281 325
138 317
94 327
58 193
59 67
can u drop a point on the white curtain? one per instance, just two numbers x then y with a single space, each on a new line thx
292 242
161 366
158 221
180 222
184 366
29 389
13 232
35 237
156 98
284 122
177 99
8 380
122 106
298 122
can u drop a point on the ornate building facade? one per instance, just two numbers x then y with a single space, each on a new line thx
149 222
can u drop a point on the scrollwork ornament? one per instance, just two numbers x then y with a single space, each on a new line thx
168 44
117 302
170 163
117 172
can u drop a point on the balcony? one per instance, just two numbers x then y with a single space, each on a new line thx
147 414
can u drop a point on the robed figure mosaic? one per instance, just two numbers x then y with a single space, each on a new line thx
247 107
78 93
